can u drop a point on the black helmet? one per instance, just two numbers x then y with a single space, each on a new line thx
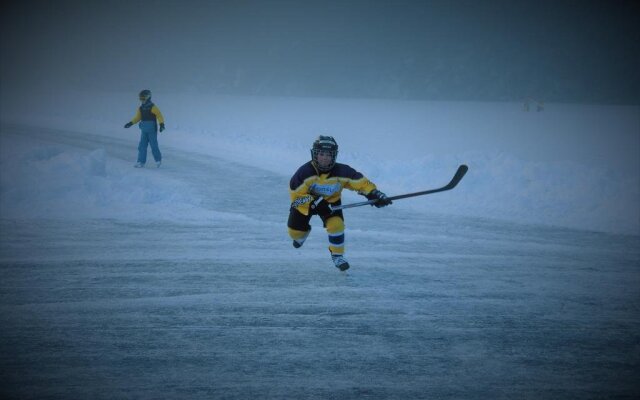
145 95
324 144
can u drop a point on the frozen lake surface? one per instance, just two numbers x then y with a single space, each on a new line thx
142 303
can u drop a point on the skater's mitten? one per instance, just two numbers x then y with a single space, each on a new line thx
128 124
161 127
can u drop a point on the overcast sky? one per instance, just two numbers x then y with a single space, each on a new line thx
568 51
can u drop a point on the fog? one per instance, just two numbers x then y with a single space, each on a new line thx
180 281
570 51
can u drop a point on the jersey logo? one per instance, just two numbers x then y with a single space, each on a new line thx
325 190
301 200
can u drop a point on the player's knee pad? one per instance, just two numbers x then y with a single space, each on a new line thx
297 235
334 225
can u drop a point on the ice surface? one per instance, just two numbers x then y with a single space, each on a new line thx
181 282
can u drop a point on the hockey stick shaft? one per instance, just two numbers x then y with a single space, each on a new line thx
462 170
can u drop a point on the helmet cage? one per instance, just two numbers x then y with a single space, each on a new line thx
144 95
325 145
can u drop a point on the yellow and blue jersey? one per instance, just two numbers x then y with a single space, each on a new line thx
308 184
148 112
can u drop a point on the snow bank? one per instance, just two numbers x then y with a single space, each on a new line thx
55 181
569 165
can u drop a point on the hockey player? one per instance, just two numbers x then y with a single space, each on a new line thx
323 178
149 116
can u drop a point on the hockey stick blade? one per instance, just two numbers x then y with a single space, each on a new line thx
462 170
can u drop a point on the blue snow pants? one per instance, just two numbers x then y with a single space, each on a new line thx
148 137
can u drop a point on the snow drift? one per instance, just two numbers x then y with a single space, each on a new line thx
568 165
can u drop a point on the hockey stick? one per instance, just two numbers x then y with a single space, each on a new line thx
454 181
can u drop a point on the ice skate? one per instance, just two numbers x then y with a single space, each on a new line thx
340 262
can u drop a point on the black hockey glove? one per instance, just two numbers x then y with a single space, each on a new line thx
321 209
382 199
161 127
128 124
